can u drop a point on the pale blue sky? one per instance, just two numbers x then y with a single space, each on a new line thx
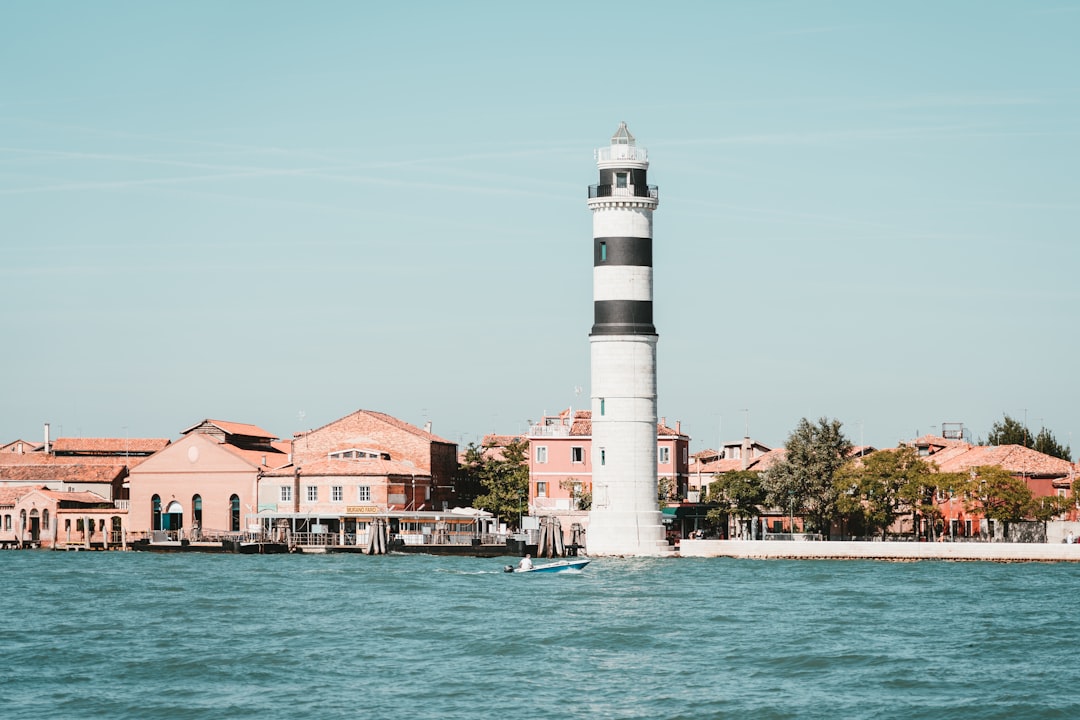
278 213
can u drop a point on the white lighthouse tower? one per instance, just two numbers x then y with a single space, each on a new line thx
625 517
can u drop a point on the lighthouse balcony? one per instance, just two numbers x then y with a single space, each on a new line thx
645 191
622 152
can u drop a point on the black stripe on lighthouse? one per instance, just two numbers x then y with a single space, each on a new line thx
622 317
622 251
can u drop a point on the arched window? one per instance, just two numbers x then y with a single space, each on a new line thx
196 510
155 513
234 512
45 519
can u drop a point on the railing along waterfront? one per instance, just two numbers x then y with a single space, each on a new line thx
600 191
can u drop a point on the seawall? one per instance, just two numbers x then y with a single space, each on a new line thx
898 551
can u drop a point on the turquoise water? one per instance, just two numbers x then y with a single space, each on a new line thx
135 635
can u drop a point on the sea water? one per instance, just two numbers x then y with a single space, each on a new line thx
139 635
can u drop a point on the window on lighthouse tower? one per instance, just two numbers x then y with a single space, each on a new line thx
622 180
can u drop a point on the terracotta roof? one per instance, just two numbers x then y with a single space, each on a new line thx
582 423
259 457
13 446
665 430
115 446
1016 459
68 473
40 458
351 466
389 420
769 459
493 440
10 495
79 497
756 464
233 428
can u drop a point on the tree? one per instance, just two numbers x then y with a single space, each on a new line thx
505 481
882 485
998 495
582 498
804 479
1009 432
738 493
467 483
1013 432
1047 444
663 490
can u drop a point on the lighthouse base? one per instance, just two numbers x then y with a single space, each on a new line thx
626 534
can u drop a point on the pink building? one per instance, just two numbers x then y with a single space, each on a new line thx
413 468
207 480
39 517
560 456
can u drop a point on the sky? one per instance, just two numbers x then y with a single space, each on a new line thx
279 213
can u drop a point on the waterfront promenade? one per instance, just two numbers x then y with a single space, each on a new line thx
898 551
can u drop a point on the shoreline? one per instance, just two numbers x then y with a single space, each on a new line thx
879 550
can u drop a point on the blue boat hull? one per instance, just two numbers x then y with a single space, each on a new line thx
555 567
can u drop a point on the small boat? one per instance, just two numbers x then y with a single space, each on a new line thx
560 566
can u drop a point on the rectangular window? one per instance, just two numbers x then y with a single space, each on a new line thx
664 455
621 180
603 251
313 493
541 454
603 456
337 493
601 406
286 493
577 454
365 493
541 489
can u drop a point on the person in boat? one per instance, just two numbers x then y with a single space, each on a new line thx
526 563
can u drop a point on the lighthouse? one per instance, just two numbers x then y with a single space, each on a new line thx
625 517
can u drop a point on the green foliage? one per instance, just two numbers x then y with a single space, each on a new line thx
663 490
806 476
505 481
879 487
1048 507
467 484
1013 432
582 498
999 496
738 493
1009 432
1047 444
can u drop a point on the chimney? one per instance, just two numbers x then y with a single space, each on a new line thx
427 427
663 422
678 427
46 438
